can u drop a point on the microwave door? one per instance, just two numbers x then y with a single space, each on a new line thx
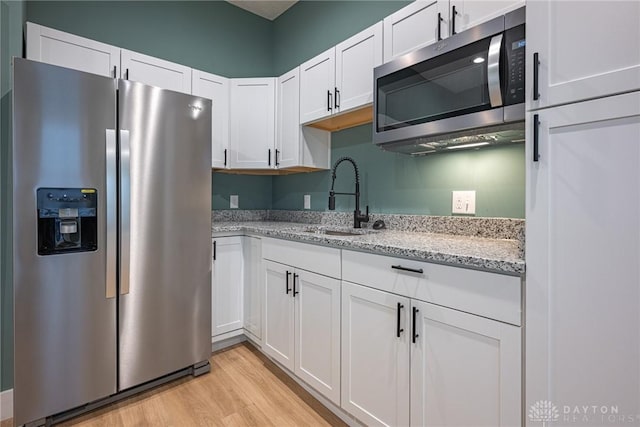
440 88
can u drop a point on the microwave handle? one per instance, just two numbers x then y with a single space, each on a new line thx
493 71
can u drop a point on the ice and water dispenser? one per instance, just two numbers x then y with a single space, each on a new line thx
67 220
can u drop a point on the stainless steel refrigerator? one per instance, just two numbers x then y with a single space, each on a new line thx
112 237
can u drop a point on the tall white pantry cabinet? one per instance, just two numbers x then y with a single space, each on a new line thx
583 213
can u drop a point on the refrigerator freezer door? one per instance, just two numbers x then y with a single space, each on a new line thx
65 325
165 311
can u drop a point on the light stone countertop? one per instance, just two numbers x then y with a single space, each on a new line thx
495 255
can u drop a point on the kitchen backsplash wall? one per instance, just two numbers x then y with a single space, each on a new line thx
397 183
254 192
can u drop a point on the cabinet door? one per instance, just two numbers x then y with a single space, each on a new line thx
470 13
375 361
215 88
288 126
252 124
586 49
465 369
227 284
317 86
355 60
317 342
414 26
155 72
253 287
278 314
582 252
66 50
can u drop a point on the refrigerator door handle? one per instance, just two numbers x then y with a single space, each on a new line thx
125 210
111 212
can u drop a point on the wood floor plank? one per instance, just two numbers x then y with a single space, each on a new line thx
244 388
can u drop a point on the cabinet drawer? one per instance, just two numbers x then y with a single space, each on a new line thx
319 259
491 295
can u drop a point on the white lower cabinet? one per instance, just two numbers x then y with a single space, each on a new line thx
375 355
227 285
465 369
253 289
302 325
278 313
410 362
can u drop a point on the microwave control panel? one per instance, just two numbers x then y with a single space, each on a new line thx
515 53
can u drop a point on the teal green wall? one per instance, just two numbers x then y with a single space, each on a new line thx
311 27
212 36
397 183
254 192
12 17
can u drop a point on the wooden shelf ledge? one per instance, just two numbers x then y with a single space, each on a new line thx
345 120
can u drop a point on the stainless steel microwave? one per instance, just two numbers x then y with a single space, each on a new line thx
461 92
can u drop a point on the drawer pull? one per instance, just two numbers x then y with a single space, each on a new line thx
412 270
399 330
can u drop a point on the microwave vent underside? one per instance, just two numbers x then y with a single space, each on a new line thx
465 140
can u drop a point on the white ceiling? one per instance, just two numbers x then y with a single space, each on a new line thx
269 9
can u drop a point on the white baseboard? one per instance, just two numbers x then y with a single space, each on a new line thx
6 404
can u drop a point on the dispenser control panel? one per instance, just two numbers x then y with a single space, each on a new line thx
67 220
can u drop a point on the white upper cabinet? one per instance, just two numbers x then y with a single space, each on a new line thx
355 60
288 126
297 146
70 51
155 72
252 123
414 26
469 13
317 86
340 78
215 88
586 50
425 22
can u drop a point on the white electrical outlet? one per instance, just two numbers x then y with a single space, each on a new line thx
233 201
464 202
307 201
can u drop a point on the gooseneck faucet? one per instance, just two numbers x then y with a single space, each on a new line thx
358 217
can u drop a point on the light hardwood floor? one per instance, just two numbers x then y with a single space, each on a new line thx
244 388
